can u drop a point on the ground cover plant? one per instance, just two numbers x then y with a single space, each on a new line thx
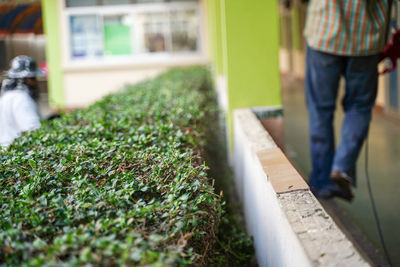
119 183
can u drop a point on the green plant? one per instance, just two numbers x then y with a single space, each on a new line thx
119 183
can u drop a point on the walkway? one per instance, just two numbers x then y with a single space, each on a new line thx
384 172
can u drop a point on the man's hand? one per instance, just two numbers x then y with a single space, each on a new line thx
391 51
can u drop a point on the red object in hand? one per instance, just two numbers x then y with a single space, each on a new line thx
43 68
391 51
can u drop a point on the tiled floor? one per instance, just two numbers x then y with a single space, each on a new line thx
384 169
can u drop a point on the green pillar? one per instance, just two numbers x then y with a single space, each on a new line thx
215 35
250 33
53 52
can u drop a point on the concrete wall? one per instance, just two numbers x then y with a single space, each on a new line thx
75 84
87 85
84 85
289 226
86 82
244 40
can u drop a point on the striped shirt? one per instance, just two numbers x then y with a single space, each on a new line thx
347 27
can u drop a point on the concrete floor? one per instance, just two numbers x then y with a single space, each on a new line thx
384 172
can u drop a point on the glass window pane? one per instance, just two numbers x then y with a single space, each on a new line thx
75 3
153 32
86 36
184 30
117 35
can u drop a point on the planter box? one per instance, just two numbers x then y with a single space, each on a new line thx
289 226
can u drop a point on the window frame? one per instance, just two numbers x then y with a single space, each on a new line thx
132 10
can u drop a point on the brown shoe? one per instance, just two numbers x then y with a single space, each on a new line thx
343 182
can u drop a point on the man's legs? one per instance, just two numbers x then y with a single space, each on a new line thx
323 73
361 87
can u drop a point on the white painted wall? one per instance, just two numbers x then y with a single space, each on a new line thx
86 87
85 84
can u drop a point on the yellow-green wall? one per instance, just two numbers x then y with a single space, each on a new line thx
252 41
215 35
244 40
53 52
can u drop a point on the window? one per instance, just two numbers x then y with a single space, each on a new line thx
77 3
155 27
184 30
115 28
81 3
86 41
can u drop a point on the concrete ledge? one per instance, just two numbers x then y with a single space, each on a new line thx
289 226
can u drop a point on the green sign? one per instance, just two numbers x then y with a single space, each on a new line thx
117 39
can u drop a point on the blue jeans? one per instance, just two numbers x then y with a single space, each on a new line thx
323 72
